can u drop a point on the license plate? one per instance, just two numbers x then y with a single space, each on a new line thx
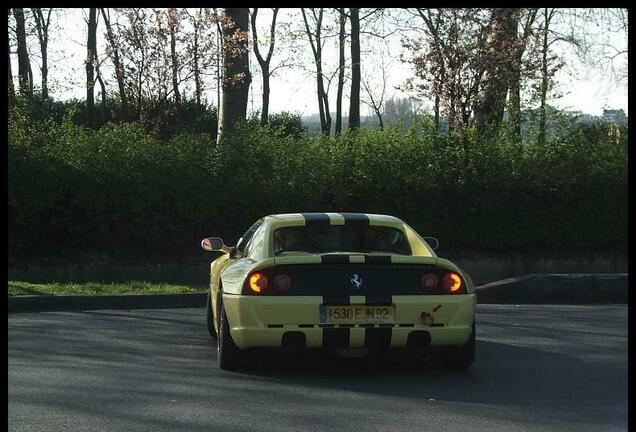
356 314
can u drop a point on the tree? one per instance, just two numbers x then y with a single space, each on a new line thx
316 43
375 99
11 90
25 76
448 61
91 49
498 66
174 19
548 15
236 72
354 99
264 62
142 49
203 54
342 19
219 58
401 111
525 21
42 27
198 87
102 85
119 68
201 45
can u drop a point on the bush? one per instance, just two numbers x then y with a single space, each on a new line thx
130 193
290 124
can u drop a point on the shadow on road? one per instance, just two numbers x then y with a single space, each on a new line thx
502 374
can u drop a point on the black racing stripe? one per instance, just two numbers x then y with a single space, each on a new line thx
377 259
335 337
316 218
334 259
377 337
378 300
355 219
335 300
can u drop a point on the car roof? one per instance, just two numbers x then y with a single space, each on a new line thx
374 219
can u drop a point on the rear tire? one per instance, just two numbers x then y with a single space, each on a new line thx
461 358
209 318
228 354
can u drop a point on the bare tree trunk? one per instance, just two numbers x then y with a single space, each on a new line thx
544 79
119 69
436 113
341 67
172 24
354 100
323 100
219 54
195 58
236 71
104 98
514 90
10 78
91 48
42 27
102 85
316 47
264 62
265 105
24 66
515 106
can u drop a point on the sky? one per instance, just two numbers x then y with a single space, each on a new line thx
293 88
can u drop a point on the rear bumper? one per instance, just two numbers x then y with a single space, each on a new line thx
274 321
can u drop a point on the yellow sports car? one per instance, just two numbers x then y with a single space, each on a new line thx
337 281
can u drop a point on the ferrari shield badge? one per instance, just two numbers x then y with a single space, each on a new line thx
356 281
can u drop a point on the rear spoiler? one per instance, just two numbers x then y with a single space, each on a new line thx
354 259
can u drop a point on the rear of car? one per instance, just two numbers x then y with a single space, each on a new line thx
338 282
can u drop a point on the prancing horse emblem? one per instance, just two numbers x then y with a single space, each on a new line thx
356 280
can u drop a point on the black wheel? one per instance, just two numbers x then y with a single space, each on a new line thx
209 317
461 358
228 354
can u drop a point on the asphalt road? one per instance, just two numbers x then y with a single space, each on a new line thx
561 368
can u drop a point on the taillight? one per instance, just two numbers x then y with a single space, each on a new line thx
429 282
452 282
282 282
258 282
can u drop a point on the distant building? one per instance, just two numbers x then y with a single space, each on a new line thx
616 116
586 118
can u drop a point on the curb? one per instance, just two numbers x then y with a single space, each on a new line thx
557 288
36 303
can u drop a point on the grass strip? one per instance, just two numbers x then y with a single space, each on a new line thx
16 288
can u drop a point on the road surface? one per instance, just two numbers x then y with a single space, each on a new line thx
543 368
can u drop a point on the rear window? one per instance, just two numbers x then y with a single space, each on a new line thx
340 238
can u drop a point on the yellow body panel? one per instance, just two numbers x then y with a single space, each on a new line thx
250 317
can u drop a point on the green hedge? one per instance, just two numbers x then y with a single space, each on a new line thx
123 192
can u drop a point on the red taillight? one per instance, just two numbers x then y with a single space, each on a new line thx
452 282
429 282
282 282
258 282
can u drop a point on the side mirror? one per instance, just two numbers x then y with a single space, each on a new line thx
432 242
215 244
